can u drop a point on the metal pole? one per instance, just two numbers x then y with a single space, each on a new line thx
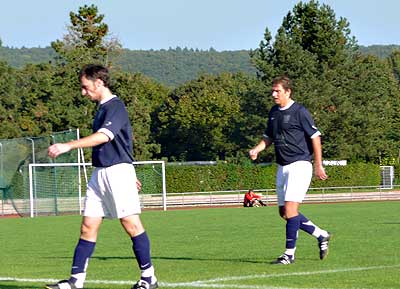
1 163
31 189
34 195
80 151
164 187
55 191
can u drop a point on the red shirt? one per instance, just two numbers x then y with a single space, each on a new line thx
250 196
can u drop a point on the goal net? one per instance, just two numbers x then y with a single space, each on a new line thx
59 188
15 156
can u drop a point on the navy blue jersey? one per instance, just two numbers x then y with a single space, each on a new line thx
112 119
290 130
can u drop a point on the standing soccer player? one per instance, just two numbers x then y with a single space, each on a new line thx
113 188
295 137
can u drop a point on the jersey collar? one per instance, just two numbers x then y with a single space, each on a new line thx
290 103
107 99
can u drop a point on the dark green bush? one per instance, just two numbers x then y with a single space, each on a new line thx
221 177
357 174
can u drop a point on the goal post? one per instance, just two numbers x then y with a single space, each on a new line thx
58 188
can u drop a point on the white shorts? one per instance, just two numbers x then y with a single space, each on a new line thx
112 192
293 181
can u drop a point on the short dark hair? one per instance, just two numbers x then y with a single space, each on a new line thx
284 81
95 71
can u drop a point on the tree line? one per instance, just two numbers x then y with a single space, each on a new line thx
353 97
171 67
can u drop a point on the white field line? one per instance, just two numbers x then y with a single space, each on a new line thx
213 283
265 276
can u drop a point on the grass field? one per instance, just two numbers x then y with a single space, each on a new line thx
213 248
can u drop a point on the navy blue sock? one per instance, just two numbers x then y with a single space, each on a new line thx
141 248
292 228
83 251
308 228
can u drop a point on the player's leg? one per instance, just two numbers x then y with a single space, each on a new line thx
301 175
127 209
141 248
292 227
83 251
292 184
93 216
281 185
321 235
290 212
309 227
262 203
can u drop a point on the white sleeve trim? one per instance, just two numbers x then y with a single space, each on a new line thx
107 133
266 137
316 134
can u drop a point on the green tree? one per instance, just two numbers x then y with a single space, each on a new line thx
204 119
309 42
362 113
51 101
394 60
86 41
9 102
35 89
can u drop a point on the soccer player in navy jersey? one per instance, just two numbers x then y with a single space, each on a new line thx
296 139
113 188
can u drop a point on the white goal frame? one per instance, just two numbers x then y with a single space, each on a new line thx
84 165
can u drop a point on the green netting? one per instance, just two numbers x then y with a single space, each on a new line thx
15 157
55 184
56 187
150 175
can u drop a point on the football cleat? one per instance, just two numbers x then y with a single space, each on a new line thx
283 260
63 284
141 284
323 246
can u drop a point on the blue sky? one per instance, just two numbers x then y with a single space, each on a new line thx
160 24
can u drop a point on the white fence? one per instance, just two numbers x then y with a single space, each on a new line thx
235 198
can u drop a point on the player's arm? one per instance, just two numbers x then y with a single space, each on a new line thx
92 140
319 170
262 145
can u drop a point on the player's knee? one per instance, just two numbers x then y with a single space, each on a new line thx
88 233
132 225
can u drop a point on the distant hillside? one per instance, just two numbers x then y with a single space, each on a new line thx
18 57
171 67
381 51
176 66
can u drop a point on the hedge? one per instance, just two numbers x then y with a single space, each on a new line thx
224 177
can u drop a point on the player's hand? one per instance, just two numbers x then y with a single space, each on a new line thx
138 185
57 149
253 154
319 172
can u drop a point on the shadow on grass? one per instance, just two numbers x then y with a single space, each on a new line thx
4 285
235 260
